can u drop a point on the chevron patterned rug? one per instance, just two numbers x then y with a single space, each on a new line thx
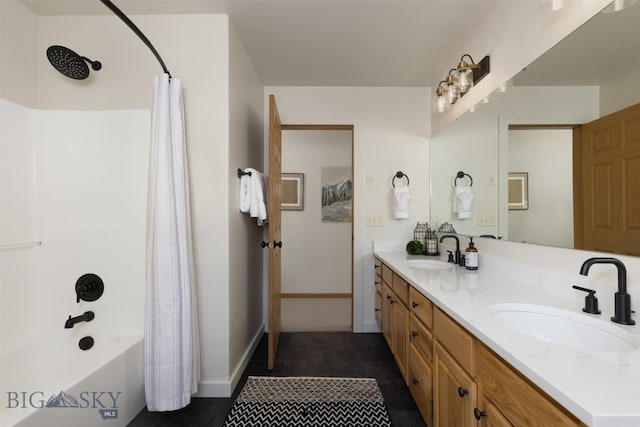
309 401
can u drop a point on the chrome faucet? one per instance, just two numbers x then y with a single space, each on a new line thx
453 236
87 316
622 312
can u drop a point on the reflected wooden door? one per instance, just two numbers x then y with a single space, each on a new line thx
611 182
275 172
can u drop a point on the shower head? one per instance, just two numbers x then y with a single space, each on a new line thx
70 63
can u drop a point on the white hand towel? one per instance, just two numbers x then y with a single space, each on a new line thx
463 202
401 199
260 183
246 193
253 193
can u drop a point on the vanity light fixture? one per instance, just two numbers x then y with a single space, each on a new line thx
440 103
459 81
471 73
453 88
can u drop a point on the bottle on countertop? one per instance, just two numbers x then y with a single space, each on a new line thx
471 256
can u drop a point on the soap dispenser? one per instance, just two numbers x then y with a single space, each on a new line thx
471 256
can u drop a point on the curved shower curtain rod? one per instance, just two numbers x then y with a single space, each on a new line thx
136 30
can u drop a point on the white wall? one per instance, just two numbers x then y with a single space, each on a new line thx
547 156
390 134
619 93
245 253
91 216
18 44
316 255
18 272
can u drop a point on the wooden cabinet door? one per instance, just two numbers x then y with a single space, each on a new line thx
420 376
455 393
401 336
387 297
491 416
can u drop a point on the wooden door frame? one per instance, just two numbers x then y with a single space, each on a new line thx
332 127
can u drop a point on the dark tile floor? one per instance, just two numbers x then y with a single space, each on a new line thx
307 354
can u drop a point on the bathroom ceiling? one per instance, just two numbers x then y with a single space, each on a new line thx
327 42
379 42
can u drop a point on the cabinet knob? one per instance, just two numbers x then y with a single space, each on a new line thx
462 392
414 304
388 296
377 309
415 381
414 334
393 301
477 413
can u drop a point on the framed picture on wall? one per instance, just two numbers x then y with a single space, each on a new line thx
292 192
518 190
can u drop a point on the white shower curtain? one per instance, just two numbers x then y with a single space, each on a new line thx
172 354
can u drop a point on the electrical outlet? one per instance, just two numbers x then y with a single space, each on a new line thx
486 220
374 221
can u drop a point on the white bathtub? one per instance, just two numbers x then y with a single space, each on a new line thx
103 386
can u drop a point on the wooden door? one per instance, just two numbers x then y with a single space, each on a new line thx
275 171
611 182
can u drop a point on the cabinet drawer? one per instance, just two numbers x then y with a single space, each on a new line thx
421 307
519 400
420 337
377 265
420 384
458 342
401 289
378 283
387 274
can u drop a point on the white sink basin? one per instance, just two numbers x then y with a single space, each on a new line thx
429 264
564 327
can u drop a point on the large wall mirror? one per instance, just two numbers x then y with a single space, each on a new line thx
525 131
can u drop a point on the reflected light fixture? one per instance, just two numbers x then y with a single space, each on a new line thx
440 102
552 5
618 5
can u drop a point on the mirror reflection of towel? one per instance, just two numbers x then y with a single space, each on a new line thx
463 202
401 199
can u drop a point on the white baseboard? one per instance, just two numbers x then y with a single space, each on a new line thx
368 327
224 388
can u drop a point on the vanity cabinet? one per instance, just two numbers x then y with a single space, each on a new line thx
511 399
490 416
454 386
401 324
453 377
395 317
378 297
420 375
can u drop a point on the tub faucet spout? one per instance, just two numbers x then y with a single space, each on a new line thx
87 316
622 312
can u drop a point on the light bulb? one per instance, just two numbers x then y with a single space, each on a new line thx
465 79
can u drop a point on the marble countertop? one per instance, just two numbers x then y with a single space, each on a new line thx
600 388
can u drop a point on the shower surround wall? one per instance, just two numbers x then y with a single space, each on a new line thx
91 211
